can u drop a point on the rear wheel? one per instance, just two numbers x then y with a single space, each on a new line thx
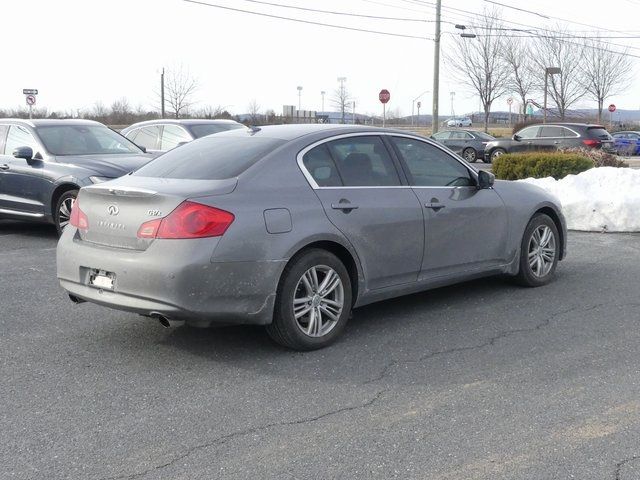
62 212
313 301
470 155
539 252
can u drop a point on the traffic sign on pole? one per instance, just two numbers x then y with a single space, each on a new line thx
31 99
29 91
384 96
509 100
612 108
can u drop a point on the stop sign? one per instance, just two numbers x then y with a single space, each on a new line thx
384 96
612 108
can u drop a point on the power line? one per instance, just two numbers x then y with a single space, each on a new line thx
308 22
329 12
516 8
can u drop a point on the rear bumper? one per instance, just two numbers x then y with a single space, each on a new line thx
173 278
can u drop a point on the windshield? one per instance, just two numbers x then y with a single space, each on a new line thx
205 129
210 158
84 140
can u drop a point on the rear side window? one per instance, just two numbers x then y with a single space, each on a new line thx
363 161
552 132
428 166
210 158
321 166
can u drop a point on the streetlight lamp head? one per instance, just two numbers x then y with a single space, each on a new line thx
461 27
553 71
299 88
468 35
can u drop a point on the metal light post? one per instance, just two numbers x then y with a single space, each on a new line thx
299 98
353 113
436 69
453 94
162 93
322 94
418 121
548 71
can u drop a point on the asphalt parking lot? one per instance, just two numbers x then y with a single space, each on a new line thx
483 380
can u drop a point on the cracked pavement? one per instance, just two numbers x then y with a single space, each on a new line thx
483 380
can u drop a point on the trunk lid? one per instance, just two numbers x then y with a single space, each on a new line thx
116 209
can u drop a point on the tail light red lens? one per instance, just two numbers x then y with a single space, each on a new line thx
188 220
78 218
591 143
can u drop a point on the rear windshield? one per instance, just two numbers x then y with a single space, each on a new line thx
208 128
598 132
210 158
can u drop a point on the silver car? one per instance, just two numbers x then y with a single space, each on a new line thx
293 226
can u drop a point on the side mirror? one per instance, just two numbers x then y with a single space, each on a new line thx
181 143
485 179
23 152
516 137
144 149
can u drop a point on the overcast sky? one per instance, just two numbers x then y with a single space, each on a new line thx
77 52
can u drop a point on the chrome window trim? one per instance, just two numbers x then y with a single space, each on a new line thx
315 186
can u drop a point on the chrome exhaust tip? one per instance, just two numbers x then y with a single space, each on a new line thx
162 319
75 299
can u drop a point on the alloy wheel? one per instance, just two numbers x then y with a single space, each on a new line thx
64 213
542 251
318 301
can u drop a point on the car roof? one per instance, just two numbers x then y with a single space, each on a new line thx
566 124
294 131
184 121
48 122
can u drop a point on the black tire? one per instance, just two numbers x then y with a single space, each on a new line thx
286 329
470 155
495 153
527 276
66 199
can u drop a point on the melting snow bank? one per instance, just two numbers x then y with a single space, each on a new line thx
600 199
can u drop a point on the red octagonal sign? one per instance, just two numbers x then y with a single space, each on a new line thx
612 108
384 96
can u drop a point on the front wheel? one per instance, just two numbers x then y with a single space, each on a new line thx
495 154
470 155
539 252
313 301
62 212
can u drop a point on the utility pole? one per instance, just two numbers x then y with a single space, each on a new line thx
342 96
162 93
436 70
322 93
299 97
453 113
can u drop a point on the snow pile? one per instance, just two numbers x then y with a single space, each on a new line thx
600 199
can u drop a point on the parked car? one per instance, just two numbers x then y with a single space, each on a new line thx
43 163
459 122
551 136
469 144
292 226
627 143
158 136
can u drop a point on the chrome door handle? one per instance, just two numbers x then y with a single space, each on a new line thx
434 206
344 206
4 167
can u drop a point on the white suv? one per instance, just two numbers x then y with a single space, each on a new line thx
459 122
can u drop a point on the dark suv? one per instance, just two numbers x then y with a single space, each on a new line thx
43 164
551 136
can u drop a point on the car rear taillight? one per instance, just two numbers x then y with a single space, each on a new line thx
591 142
188 220
78 218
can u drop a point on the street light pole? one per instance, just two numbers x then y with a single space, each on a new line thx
412 105
342 97
299 98
162 93
548 71
322 93
436 69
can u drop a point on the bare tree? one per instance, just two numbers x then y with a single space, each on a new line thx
604 73
522 79
254 111
556 50
180 87
478 62
341 99
121 113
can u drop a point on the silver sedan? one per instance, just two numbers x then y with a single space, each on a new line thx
293 226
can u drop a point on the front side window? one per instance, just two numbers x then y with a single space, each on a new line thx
147 137
442 135
428 166
84 140
19 136
363 161
172 136
529 132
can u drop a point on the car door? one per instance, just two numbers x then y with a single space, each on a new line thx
465 227
525 140
361 191
442 137
551 137
22 184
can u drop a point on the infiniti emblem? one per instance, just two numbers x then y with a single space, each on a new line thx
113 209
